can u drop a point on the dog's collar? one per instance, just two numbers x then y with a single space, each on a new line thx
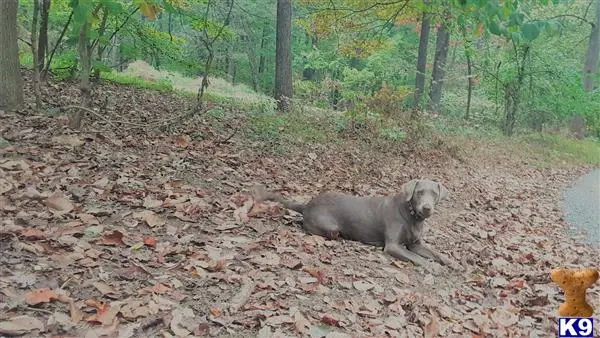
411 209
413 212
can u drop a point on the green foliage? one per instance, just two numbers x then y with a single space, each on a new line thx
126 79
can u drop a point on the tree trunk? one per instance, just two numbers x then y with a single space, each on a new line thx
261 61
593 52
283 56
230 64
511 105
11 85
439 66
422 60
470 84
34 51
43 36
84 84
101 48
58 41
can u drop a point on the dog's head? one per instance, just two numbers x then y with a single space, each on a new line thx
424 195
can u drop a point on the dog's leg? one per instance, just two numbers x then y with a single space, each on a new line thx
427 252
322 225
397 251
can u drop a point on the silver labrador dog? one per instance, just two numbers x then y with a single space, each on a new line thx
394 222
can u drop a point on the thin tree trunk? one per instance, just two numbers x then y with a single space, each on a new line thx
230 64
84 85
261 62
283 56
470 85
439 66
100 49
43 36
591 61
11 85
422 60
60 37
34 51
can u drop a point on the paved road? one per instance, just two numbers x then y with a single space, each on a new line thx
581 205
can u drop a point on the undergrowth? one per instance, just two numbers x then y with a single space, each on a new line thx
306 125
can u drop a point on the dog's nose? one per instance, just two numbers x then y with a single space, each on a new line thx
427 208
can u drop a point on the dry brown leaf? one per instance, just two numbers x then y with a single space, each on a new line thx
151 218
241 214
151 203
59 203
315 272
104 288
362 285
33 233
105 313
20 325
159 288
150 241
182 320
38 296
136 309
5 186
113 238
88 219
330 320
182 141
215 311
301 323
432 328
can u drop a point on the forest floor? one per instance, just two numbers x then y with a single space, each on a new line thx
123 230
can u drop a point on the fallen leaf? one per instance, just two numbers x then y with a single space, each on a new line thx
59 203
151 203
279 320
88 219
159 288
68 140
241 214
329 320
105 289
183 321
504 318
432 328
315 272
114 238
33 233
5 186
301 323
150 217
38 296
105 313
150 241
20 325
395 322
215 311
319 331
362 286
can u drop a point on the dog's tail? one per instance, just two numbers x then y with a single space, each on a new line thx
261 194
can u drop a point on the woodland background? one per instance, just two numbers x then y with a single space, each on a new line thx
477 66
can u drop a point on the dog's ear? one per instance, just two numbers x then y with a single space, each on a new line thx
442 192
409 188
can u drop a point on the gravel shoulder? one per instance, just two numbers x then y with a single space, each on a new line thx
581 205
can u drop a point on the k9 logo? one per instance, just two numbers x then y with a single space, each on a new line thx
575 327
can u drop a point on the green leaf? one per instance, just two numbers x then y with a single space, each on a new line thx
530 31
494 28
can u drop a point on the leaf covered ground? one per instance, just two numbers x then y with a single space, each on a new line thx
120 230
